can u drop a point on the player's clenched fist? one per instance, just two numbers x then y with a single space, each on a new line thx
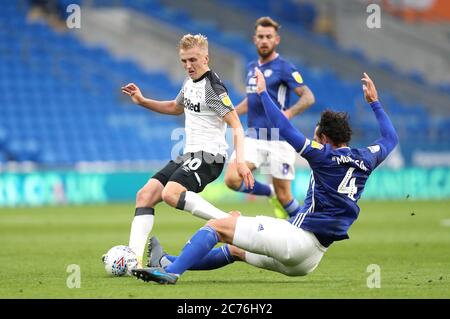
133 91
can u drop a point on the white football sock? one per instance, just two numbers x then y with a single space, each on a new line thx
199 207
140 229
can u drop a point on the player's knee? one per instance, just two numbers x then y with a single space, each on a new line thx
143 196
213 224
170 196
219 227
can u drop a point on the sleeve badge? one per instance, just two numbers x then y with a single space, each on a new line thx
225 99
314 144
297 77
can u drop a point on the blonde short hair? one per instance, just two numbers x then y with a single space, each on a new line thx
189 41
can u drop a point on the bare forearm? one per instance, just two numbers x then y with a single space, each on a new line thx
242 107
232 119
238 139
164 107
306 100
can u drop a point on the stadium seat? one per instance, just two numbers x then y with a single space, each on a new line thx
78 114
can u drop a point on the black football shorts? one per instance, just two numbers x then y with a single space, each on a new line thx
192 170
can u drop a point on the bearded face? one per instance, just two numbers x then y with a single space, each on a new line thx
266 39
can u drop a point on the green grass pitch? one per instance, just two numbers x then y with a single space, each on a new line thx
408 240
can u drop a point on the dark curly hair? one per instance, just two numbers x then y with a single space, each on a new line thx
335 125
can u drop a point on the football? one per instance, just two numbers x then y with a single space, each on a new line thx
120 260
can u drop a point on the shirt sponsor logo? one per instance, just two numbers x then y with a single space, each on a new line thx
191 106
250 89
297 77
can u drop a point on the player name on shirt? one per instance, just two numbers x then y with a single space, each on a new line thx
347 159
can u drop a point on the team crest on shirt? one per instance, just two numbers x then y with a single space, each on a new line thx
225 99
267 73
314 144
297 77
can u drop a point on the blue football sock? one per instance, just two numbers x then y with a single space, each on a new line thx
216 258
292 208
258 189
196 249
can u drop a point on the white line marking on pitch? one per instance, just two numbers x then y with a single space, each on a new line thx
445 222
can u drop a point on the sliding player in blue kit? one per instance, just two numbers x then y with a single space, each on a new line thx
294 247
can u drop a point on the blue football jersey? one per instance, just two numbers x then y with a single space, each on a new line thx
338 175
281 78
337 181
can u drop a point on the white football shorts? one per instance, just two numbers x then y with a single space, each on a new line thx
277 245
276 158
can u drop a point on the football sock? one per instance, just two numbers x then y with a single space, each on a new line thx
292 208
199 207
216 258
258 189
196 249
170 258
140 229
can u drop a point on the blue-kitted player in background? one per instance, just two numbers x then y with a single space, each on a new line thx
293 247
264 147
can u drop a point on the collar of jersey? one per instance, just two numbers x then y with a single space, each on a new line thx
257 61
202 77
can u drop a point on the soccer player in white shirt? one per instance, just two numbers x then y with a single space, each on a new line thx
208 109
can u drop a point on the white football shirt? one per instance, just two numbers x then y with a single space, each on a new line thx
205 103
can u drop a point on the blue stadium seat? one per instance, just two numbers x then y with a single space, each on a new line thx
79 114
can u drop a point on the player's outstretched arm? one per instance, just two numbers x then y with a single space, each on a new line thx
295 138
164 107
389 137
